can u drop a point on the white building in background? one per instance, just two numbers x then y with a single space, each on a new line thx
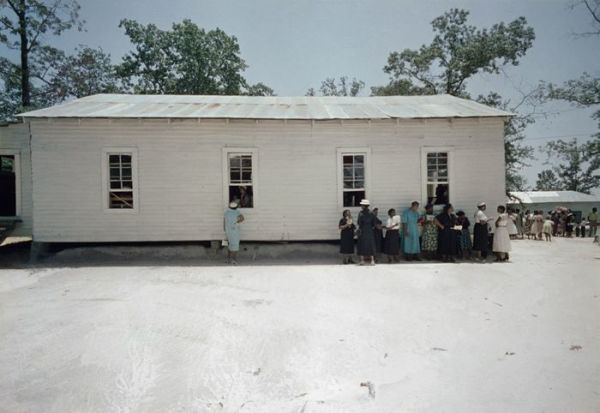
111 168
577 202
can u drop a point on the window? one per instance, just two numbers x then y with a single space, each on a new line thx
353 172
241 185
438 182
8 185
120 179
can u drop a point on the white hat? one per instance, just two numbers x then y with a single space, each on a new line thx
481 204
365 202
233 205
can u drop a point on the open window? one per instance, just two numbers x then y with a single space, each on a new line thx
240 176
120 179
353 175
9 184
437 175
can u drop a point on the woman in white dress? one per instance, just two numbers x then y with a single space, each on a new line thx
511 224
501 244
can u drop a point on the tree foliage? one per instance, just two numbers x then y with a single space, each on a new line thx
342 87
547 181
24 26
184 60
568 162
457 52
516 153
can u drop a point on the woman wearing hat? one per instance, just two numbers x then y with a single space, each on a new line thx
232 220
366 236
447 235
480 232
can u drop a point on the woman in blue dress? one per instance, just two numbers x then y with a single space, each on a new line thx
232 220
410 226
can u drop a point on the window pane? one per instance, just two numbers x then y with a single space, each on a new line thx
234 161
115 185
359 159
120 200
347 159
247 177
359 173
247 162
348 172
115 173
113 158
7 163
125 158
243 195
353 198
127 185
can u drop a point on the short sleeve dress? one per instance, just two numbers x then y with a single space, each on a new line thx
346 238
232 228
411 243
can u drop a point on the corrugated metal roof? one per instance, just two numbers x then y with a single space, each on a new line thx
267 107
553 197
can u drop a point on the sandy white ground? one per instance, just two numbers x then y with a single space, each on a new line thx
516 337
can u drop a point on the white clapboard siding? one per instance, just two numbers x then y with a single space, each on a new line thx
14 139
180 174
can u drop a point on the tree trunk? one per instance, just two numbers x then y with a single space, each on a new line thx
25 90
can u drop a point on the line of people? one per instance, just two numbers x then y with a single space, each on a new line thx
444 236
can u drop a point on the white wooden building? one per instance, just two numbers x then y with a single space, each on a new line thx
110 168
578 202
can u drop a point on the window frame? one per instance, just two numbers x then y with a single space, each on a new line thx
253 152
106 152
425 179
17 169
341 152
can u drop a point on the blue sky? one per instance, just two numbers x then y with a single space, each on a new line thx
293 45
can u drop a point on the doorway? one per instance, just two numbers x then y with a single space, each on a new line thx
8 185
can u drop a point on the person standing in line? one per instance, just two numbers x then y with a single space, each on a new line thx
512 224
429 234
528 224
447 235
480 232
378 235
501 245
593 221
231 222
548 224
519 223
464 235
410 225
366 233
392 236
347 228
539 224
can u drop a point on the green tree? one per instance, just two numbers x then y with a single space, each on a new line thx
184 60
547 181
516 153
568 162
342 87
24 26
585 91
457 52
